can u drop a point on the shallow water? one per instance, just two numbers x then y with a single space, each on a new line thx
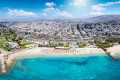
64 68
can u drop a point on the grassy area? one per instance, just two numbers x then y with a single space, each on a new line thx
24 43
2 41
81 44
1 44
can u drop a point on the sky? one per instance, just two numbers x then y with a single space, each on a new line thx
57 9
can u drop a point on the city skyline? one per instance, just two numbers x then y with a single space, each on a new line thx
52 9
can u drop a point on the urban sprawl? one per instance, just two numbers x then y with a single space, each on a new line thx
65 30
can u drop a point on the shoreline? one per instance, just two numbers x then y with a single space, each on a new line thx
115 50
48 56
53 52
43 51
49 52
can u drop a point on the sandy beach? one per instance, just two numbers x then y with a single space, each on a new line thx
8 59
114 50
52 51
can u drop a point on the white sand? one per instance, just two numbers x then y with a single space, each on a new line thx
114 50
52 51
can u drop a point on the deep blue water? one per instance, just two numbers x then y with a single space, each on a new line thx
64 68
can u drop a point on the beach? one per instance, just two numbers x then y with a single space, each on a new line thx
114 50
52 51
8 59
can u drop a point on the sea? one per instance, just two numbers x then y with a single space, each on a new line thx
89 67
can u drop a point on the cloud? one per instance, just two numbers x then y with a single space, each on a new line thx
98 8
57 14
96 13
61 5
51 10
101 7
44 14
64 14
50 4
109 3
16 12
79 3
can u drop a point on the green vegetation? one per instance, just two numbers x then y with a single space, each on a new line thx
116 40
91 42
107 43
24 43
82 44
54 45
20 38
8 36
40 45
103 45
1 44
2 41
78 27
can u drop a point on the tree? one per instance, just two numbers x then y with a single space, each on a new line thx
20 38
61 44
6 37
35 30
39 45
13 39
78 43
119 42
14 34
91 42
49 42
78 27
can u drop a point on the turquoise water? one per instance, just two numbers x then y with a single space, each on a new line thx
64 68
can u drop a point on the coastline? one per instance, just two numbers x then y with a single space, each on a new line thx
53 52
49 52
115 50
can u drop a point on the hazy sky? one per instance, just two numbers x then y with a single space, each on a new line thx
57 9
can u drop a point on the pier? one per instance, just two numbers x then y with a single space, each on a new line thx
113 57
2 65
113 51
2 61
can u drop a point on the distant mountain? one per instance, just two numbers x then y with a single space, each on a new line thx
93 19
106 18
